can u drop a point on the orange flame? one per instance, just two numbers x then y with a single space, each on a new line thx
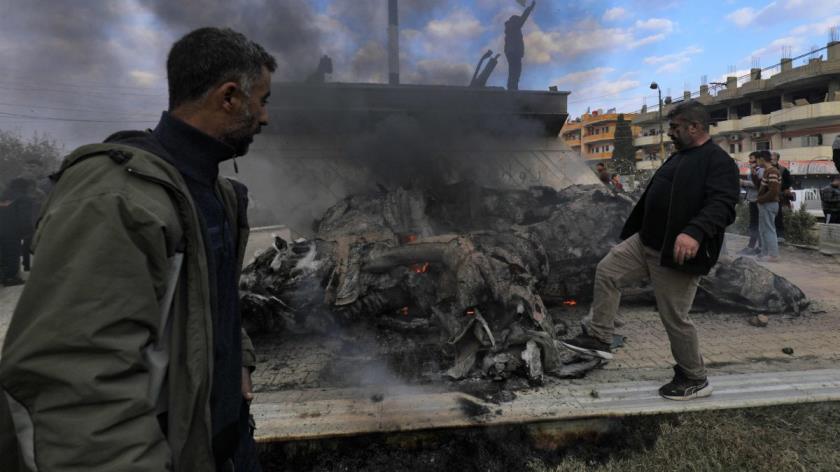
570 302
421 268
408 238
470 312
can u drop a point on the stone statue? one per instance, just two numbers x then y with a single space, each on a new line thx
515 46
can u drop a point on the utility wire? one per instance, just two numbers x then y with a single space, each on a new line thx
79 120
91 110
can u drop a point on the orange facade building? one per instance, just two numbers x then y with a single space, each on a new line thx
593 134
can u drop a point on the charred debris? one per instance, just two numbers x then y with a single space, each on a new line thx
469 270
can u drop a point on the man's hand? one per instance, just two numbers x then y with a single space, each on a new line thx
247 386
685 248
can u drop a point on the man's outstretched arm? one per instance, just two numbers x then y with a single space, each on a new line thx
527 13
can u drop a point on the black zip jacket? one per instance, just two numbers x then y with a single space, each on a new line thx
704 192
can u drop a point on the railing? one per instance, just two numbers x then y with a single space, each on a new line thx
767 72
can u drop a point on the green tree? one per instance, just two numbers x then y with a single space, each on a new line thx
34 158
623 160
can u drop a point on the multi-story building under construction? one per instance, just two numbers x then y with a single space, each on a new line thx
792 108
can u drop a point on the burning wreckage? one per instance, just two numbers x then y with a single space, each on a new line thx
468 268
416 262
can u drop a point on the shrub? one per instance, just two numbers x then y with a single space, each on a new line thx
742 219
799 227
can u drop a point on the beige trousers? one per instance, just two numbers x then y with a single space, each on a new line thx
627 264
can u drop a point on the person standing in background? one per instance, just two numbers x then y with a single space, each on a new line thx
768 208
785 196
830 196
750 183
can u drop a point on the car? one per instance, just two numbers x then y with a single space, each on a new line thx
810 197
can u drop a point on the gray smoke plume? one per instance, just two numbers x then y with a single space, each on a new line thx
287 29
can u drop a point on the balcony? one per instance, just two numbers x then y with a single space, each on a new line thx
804 113
642 141
726 127
594 138
597 155
752 122
805 153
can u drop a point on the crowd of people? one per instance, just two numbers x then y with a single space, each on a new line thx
610 180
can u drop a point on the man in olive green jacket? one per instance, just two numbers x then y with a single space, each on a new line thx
110 357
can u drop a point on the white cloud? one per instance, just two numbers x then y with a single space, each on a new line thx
457 26
143 78
662 25
782 10
646 40
590 36
775 47
819 27
615 14
584 76
605 91
743 16
671 63
689 51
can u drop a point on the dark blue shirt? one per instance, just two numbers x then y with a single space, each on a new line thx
197 157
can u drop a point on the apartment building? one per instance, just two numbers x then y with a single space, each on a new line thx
792 108
593 134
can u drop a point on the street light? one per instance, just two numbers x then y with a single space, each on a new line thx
655 86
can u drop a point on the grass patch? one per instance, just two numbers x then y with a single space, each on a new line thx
782 438
779 438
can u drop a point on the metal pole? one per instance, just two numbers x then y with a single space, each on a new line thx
393 43
661 137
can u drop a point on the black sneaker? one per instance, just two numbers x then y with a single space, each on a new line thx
683 388
589 346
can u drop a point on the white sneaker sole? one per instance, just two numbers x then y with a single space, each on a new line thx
587 352
702 393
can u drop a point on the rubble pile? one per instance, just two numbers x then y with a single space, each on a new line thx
472 265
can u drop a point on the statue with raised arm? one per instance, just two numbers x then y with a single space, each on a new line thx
515 46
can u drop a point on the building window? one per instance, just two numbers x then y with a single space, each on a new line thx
735 147
762 145
812 140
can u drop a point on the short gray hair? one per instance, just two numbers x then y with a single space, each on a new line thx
693 112
208 57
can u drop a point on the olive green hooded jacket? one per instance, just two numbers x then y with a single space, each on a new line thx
75 373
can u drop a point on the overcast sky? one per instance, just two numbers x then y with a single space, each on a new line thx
81 69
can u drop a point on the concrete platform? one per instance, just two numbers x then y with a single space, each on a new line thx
322 413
